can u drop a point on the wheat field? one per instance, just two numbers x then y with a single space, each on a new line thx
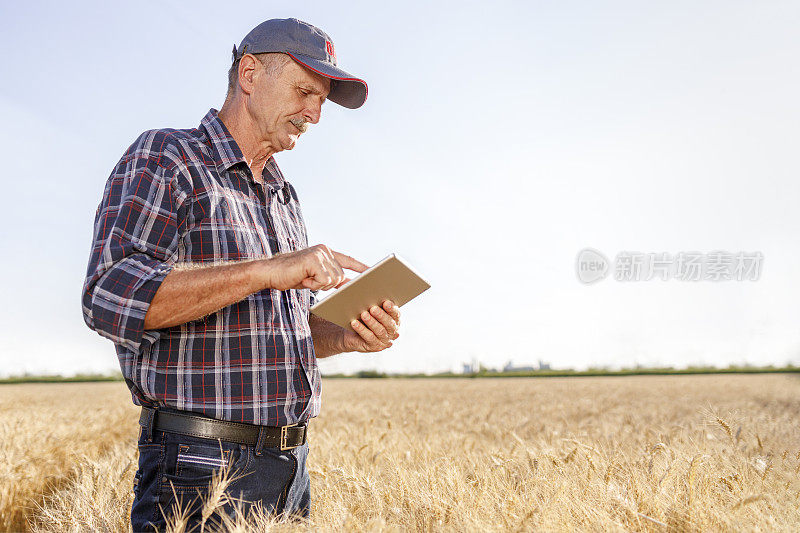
672 453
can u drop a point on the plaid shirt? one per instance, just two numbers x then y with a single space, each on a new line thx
188 196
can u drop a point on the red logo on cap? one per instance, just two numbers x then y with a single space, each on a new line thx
329 49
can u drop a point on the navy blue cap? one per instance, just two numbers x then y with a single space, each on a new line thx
312 48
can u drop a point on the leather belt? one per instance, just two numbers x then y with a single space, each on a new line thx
281 437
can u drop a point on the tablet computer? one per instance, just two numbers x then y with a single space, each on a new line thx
390 279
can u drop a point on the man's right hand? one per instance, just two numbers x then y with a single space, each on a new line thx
315 268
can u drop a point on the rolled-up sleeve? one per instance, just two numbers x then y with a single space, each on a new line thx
134 243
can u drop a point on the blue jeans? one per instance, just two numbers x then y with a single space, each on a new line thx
178 468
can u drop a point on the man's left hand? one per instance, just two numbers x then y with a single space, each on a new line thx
375 330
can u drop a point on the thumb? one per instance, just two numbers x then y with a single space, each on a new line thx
309 283
342 283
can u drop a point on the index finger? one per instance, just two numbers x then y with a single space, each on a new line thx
348 262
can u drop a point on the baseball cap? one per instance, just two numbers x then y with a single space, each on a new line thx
312 48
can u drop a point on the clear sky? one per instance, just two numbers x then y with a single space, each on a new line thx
499 139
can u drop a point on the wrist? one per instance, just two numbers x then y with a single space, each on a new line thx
260 274
341 344
329 338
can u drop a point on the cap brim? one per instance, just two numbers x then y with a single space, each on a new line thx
349 91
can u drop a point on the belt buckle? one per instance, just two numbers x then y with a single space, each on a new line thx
284 436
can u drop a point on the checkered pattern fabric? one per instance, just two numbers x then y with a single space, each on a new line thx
188 196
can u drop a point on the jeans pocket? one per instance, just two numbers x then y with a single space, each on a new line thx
200 460
191 463
190 467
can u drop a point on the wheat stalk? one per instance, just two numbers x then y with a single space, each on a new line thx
583 458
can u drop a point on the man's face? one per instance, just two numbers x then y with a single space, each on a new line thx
282 105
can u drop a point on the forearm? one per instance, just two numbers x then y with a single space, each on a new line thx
187 294
327 337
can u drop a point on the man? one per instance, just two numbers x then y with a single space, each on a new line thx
201 274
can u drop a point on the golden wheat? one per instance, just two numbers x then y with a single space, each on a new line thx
45 429
689 453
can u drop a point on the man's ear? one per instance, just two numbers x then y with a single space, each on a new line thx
247 72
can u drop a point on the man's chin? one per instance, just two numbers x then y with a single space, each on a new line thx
292 141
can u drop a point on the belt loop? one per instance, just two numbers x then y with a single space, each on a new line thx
260 442
146 420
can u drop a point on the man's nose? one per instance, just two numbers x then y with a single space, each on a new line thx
313 112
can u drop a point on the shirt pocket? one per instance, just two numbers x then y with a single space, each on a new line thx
225 226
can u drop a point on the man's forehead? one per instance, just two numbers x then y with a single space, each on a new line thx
309 77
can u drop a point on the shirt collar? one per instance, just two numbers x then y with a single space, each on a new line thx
227 153
224 149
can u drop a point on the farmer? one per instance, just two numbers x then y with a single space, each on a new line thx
201 274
